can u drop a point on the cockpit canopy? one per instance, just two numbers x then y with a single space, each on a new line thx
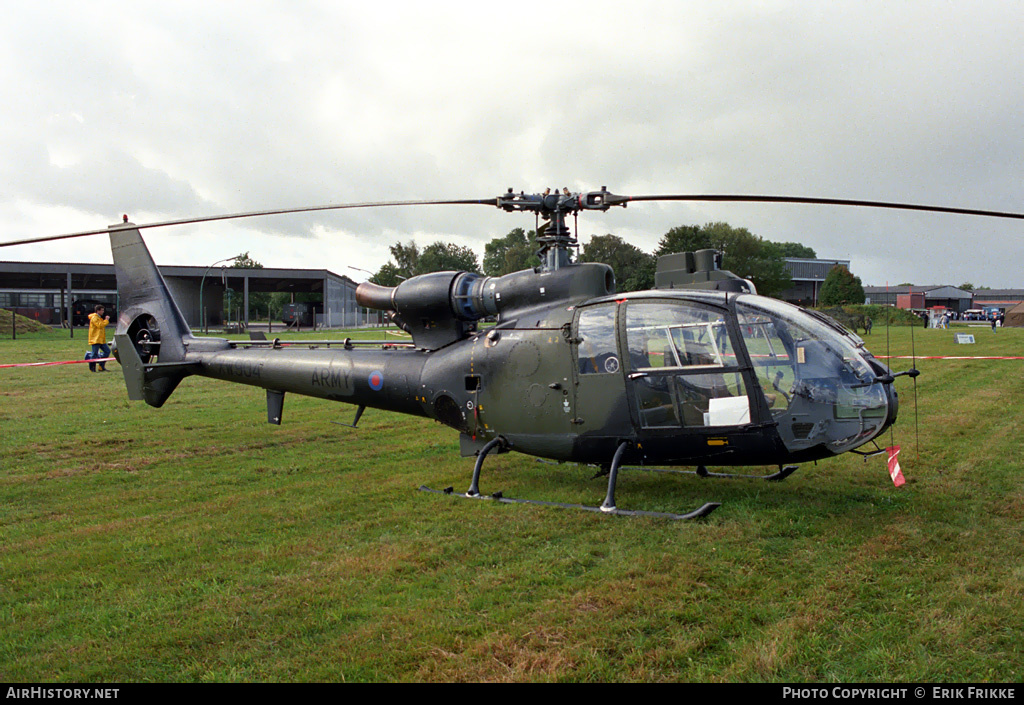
719 362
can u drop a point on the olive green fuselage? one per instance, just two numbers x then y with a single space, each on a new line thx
519 380
569 371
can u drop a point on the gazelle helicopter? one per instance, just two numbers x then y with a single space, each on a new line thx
698 371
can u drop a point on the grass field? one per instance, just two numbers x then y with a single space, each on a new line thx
198 543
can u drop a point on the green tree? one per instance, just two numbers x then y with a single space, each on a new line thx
634 268
684 238
278 299
744 253
244 261
768 271
410 261
406 258
966 286
512 253
447 256
841 287
388 275
791 249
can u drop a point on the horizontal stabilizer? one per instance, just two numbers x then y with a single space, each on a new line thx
152 382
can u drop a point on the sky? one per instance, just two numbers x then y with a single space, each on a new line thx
172 110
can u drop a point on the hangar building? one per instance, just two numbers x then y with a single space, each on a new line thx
808 276
56 285
1001 298
950 297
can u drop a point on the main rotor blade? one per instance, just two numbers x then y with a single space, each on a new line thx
249 214
740 198
621 200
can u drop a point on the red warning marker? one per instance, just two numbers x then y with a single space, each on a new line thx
894 466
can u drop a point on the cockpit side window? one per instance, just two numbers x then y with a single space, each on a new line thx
597 352
679 336
772 351
683 366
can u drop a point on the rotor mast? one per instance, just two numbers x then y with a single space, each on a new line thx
554 236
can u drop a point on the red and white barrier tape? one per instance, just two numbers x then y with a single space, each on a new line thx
948 357
64 362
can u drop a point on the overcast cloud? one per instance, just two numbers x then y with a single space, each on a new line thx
170 110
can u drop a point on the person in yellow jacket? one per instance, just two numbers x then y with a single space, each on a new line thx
98 336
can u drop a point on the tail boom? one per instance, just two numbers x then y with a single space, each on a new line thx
157 350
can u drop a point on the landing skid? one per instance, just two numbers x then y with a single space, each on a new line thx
701 471
497 497
607 507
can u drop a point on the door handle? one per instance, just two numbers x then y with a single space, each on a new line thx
638 375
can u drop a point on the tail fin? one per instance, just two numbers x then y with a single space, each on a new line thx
151 334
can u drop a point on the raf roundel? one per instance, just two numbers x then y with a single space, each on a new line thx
376 380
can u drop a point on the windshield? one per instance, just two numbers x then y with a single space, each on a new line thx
813 374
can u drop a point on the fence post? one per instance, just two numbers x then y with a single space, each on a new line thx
71 308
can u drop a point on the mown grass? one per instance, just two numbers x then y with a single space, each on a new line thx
198 543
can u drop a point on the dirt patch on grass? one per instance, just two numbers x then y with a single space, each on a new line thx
536 653
500 657
61 472
119 526
1010 506
384 560
128 465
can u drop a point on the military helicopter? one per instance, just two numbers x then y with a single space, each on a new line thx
700 370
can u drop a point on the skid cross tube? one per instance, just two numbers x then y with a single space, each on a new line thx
608 507
613 476
474 486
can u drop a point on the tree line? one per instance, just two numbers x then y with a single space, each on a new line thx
744 254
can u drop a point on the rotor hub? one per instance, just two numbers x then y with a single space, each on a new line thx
554 235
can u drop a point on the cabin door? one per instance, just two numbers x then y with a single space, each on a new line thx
600 407
681 368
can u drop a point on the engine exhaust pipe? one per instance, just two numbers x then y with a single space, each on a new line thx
375 296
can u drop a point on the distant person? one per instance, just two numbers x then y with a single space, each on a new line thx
994 324
867 325
98 323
